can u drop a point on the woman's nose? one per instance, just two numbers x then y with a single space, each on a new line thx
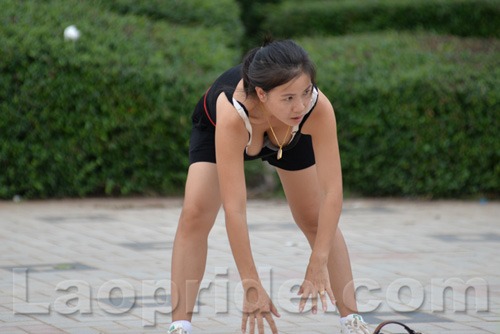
301 105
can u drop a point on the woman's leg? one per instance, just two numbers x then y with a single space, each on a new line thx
303 194
201 205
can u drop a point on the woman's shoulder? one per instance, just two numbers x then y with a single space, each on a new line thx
324 102
323 115
226 111
230 128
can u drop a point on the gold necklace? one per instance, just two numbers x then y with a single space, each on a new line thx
280 151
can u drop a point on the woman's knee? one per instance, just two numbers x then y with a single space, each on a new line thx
308 223
195 222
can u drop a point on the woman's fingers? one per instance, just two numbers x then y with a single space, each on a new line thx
252 324
324 294
260 323
274 311
314 300
322 297
258 318
305 291
244 321
258 308
303 299
271 322
330 295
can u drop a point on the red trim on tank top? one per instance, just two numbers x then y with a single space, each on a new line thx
205 105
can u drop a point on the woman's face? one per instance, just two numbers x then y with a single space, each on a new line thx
290 102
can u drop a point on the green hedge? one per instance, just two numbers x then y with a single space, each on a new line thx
220 13
326 18
107 114
417 115
252 17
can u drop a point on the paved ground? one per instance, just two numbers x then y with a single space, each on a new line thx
102 266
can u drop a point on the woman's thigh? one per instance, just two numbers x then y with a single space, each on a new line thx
303 195
202 199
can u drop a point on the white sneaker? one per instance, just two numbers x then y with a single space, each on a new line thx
177 329
354 324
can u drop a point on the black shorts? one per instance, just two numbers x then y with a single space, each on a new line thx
202 146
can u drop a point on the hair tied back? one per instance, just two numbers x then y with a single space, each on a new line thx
268 39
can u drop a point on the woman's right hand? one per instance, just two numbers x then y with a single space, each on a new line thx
257 306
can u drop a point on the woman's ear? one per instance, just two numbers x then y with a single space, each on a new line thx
261 94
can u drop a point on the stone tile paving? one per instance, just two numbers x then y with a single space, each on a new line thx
102 266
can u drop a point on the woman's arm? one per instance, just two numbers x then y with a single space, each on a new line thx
231 137
321 125
323 130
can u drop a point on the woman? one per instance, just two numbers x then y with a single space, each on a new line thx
270 108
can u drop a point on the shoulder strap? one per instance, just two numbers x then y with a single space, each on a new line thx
244 116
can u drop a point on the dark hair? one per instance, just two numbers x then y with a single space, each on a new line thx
274 64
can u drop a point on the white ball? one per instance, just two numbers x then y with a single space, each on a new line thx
71 33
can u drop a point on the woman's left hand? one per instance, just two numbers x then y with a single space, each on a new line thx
316 283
